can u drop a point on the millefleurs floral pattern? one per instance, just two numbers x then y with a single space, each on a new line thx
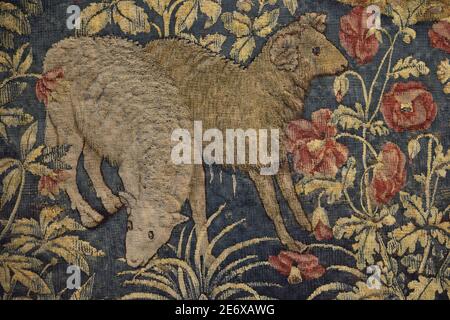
406 235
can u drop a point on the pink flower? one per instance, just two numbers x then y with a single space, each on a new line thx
297 267
408 107
314 150
47 84
389 176
440 36
353 36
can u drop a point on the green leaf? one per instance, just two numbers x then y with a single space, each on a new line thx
424 289
292 5
10 185
158 5
238 24
212 9
28 139
414 208
265 23
408 67
7 163
243 48
10 91
347 118
186 15
13 19
131 18
213 42
13 117
85 292
31 280
333 189
377 128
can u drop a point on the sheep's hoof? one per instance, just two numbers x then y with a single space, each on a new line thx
89 217
111 203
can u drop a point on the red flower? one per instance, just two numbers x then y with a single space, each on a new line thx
47 84
389 176
49 185
313 147
353 36
321 225
408 107
440 36
297 266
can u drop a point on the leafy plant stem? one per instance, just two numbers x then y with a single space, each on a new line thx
429 175
19 76
387 262
426 253
360 139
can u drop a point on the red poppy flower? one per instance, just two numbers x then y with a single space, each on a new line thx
49 185
297 266
389 176
440 36
47 84
314 150
353 36
408 107
321 225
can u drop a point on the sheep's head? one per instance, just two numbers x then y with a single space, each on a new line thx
148 229
302 49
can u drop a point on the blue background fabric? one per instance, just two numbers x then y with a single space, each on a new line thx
50 27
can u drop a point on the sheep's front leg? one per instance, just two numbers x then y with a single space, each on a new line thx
53 137
92 164
266 190
287 188
89 217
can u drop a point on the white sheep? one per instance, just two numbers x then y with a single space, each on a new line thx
113 103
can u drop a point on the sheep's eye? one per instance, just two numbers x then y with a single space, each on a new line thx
151 235
316 51
129 225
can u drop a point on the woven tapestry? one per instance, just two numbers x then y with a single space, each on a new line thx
224 149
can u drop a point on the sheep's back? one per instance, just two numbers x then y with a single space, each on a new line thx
118 97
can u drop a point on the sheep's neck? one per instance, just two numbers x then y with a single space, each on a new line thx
287 86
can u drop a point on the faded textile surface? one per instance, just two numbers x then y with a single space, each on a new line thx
104 105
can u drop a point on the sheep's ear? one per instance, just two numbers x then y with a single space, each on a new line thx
315 20
283 52
127 199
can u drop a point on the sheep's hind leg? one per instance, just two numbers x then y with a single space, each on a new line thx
92 164
266 190
197 200
287 188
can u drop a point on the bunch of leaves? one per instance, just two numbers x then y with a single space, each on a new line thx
16 66
14 19
52 235
193 276
247 30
